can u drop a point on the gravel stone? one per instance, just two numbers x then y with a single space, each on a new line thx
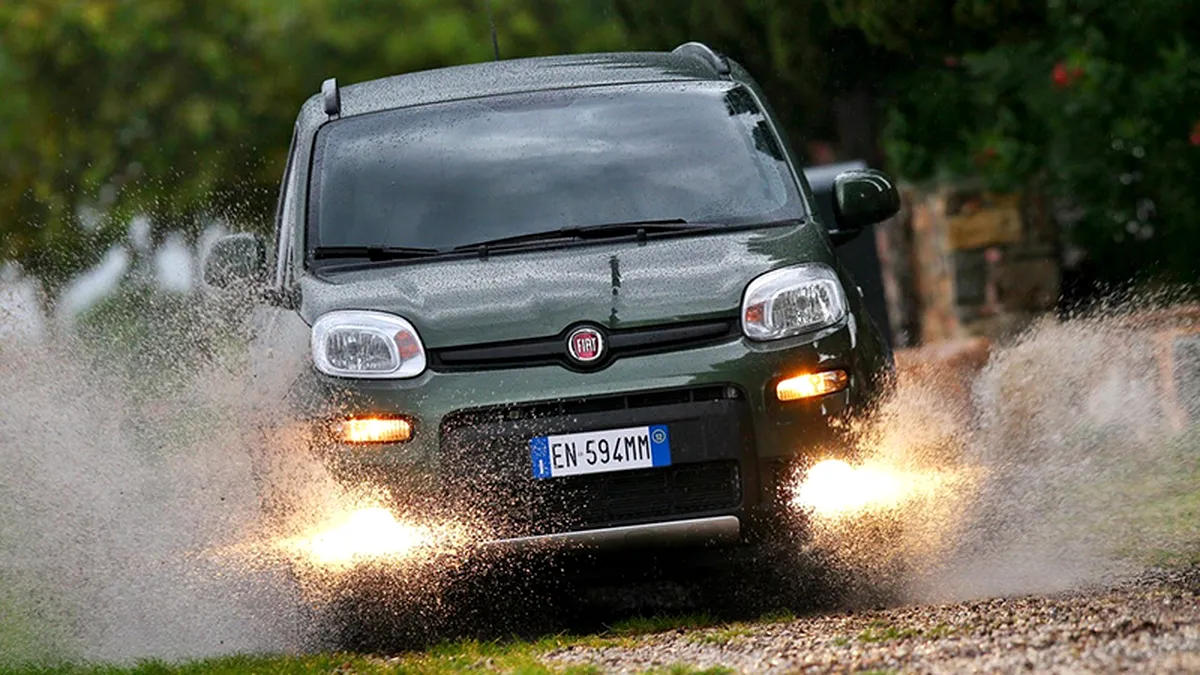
1149 625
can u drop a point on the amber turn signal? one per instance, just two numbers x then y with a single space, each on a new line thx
812 384
375 430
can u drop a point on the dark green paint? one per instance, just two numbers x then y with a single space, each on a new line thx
525 293
862 198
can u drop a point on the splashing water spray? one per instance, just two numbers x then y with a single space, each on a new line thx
1041 470
132 521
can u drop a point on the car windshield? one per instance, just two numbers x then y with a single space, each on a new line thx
458 173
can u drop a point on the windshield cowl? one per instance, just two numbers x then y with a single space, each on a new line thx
336 259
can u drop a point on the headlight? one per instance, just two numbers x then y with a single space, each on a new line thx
366 344
791 301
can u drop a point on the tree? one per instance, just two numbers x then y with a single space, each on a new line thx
181 110
808 65
1096 102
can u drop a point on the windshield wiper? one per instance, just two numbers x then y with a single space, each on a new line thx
602 231
374 253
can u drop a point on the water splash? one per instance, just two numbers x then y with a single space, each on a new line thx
1041 471
126 465
131 518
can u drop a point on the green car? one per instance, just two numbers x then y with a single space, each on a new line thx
582 301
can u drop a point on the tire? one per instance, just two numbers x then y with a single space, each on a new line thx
378 610
777 570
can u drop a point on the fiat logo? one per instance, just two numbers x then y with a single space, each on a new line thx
585 345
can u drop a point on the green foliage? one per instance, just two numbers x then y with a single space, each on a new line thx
156 341
794 49
181 109
1097 102
921 27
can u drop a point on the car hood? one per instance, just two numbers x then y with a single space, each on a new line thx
528 294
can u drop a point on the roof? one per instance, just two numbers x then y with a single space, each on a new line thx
517 75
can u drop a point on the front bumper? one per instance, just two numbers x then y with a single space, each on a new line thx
715 530
731 439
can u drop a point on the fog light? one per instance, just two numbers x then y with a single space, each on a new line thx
812 384
375 430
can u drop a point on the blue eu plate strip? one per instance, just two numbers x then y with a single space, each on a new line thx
539 450
660 445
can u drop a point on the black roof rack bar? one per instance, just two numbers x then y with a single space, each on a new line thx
699 50
332 96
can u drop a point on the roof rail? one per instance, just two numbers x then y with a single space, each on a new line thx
699 50
332 96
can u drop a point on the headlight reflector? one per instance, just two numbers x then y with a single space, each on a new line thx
792 300
363 344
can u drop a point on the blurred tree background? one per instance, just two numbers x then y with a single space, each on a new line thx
181 110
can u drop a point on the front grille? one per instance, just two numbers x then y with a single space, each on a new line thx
630 497
487 470
553 350
569 408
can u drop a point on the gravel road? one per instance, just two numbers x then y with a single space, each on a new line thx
1150 625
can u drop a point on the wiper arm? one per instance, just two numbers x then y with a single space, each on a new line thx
373 253
588 231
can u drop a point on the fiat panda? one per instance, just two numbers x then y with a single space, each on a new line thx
581 301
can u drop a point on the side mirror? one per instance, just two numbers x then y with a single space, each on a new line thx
861 198
235 260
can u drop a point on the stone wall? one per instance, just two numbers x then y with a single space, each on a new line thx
963 269
962 262
1172 338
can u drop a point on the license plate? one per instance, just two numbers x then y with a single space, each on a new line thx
600 451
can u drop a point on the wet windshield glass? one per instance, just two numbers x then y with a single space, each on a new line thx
457 173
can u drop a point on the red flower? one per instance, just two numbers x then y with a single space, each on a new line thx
1195 137
1062 78
985 156
950 61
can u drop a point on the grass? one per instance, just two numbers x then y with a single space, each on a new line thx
644 625
466 657
23 635
780 616
516 657
1163 527
688 670
712 633
940 631
326 663
19 640
721 636
882 631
